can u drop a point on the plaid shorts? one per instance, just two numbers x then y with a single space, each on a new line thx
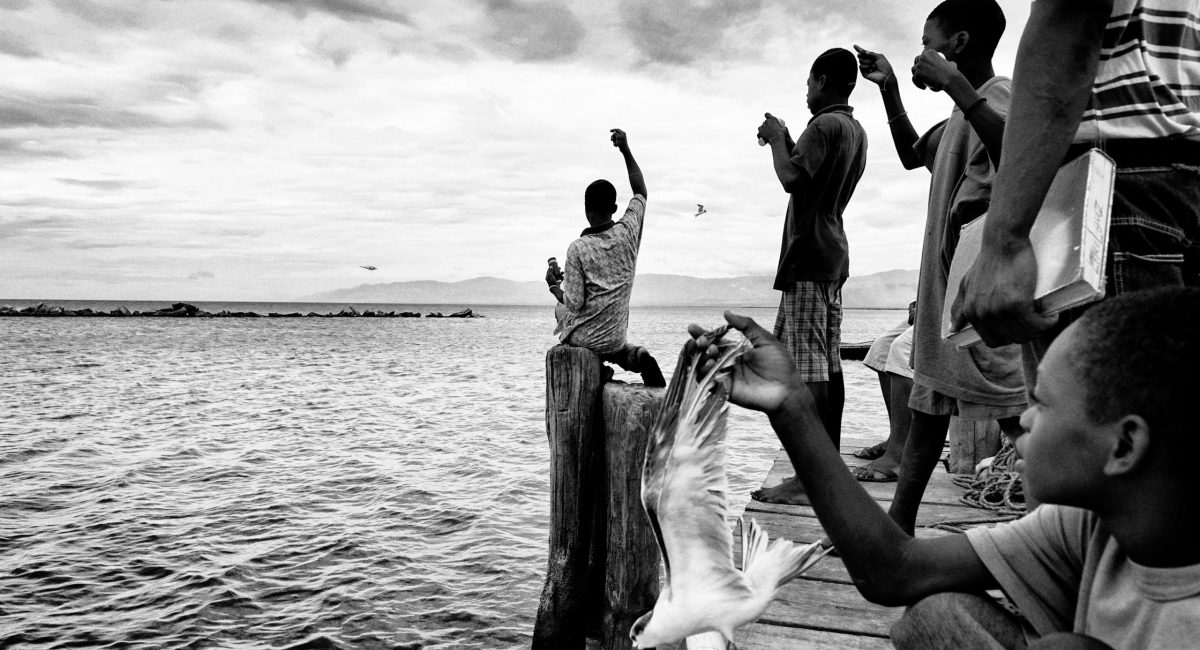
809 324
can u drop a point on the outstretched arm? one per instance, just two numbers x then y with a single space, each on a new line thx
875 68
888 566
1056 65
636 182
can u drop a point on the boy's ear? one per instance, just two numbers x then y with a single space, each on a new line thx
958 42
1131 445
820 82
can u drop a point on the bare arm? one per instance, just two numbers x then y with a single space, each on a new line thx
1055 68
875 68
888 566
792 177
938 74
636 182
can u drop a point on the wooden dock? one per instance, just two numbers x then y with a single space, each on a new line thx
822 609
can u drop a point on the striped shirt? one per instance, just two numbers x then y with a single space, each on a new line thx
1148 82
599 279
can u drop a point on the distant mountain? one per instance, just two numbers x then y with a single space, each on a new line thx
887 290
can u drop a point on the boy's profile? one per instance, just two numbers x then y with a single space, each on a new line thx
1110 560
598 277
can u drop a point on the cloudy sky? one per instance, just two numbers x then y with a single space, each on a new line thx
264 149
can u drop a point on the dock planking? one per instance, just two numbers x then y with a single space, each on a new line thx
822 609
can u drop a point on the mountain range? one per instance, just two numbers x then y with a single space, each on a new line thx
886 290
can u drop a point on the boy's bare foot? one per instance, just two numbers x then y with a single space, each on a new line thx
790 491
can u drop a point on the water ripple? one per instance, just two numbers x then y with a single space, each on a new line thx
299 483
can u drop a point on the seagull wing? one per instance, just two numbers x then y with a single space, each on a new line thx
684 487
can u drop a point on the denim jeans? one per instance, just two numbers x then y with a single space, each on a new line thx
1154 240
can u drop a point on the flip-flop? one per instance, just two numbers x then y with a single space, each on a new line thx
872 452
867 474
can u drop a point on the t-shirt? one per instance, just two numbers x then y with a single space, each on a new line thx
598 280
959 191
1148 81
1066 573
832 151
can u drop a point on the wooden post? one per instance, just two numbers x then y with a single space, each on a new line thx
632 565
970 442
572 400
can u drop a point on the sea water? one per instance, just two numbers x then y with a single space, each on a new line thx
300 483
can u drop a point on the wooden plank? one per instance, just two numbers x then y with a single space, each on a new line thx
940 490
831 607
765 636
929 514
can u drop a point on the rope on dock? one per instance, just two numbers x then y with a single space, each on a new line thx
996 487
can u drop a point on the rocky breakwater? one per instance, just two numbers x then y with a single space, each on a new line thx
184 310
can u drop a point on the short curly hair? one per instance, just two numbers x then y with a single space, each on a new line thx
1139 353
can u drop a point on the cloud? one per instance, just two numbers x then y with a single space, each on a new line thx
668 31
201 275
104 15
70 112
355 10
535 31
16 46
108 186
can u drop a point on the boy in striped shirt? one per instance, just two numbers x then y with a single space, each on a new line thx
1122 75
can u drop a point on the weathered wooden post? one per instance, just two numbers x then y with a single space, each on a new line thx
632 565
970 442
603 570
572 404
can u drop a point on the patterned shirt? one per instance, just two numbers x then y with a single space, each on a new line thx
599 278
1148 82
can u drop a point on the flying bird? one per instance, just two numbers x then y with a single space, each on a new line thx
369 268
700 210
684 493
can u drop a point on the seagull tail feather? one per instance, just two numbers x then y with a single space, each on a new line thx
770 565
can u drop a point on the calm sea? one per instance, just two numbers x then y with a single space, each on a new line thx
299 483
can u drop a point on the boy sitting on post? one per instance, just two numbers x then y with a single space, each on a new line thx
1111 558
598 278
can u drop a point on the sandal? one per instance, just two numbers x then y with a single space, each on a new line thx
872 452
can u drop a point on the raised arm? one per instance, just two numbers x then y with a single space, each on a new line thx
888 566
1056 65
636 182
875 68
938 74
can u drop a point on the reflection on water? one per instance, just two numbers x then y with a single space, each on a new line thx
300 483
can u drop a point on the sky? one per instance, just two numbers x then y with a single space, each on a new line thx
266 149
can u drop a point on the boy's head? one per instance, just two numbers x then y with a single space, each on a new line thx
831 78
599 201
1113 399
964 29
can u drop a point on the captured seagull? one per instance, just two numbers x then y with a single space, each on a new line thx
369 268
684 493
699 210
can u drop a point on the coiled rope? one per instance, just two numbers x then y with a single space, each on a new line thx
996 487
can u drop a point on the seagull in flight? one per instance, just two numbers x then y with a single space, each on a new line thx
684 493
369 268
700 210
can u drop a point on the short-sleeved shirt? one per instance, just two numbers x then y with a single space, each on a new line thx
959 190
832 152
1148 81
1066 573
599 279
